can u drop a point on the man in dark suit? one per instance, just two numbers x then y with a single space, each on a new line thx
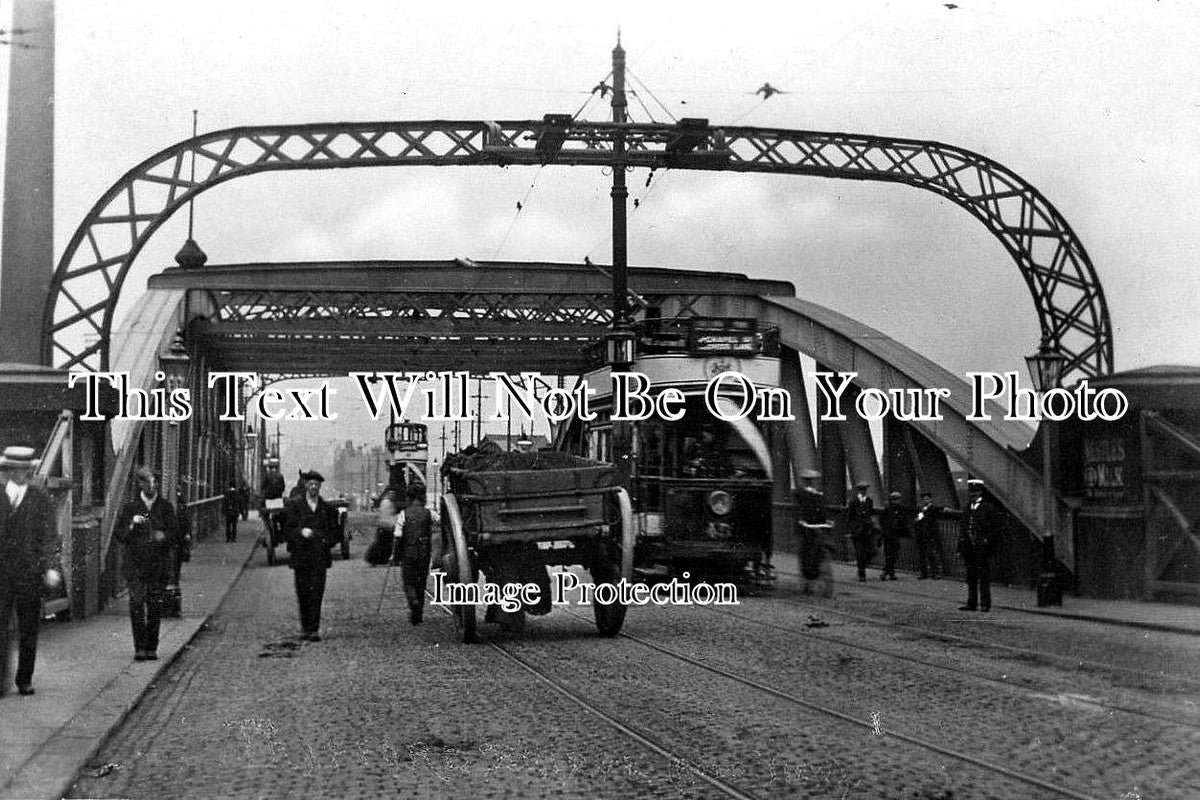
29 560
861 528
310 528
148 529
928 536
978 536
413 547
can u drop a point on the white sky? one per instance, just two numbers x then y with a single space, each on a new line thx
1095 103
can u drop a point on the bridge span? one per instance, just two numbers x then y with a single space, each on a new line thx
330 318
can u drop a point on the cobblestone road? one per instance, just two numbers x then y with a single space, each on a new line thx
379 708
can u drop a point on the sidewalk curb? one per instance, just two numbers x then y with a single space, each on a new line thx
61 757
1158 627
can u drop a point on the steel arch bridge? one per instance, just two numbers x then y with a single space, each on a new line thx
1067 296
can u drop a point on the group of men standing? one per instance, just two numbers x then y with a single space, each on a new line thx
894 521
979 535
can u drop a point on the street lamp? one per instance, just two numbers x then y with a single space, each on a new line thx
1045 368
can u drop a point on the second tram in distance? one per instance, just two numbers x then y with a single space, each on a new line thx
408 453
701 485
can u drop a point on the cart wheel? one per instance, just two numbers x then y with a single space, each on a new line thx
459 567
613 563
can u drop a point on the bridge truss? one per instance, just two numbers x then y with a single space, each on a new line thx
1066 292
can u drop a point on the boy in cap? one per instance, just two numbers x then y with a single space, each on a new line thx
29 560
892 522
310 527
412 549
928 538
861 528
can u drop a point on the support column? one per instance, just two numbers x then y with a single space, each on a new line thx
801 444
27 257
782 503
899 470
860 450
934 469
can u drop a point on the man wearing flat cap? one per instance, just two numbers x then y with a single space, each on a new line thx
893 523
310 528
29 560
978 537
928 536
860 525
148 529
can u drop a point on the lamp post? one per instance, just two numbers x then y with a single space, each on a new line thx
1045 368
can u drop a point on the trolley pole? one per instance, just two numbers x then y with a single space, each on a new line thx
620 337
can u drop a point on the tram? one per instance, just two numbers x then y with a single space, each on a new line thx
408 453
700 485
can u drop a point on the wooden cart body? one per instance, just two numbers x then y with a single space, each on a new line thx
578 512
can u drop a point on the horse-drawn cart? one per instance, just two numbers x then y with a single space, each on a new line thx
510 516
272 536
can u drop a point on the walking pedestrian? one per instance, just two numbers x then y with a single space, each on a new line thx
814 527
928 538
310 527
183 553
243 499
412 550
29 561
390 504
861 527
978 536
893 521
148 529
233 509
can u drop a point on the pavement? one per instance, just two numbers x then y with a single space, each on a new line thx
1164 617
87 681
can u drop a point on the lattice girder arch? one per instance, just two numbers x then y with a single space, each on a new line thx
1066 292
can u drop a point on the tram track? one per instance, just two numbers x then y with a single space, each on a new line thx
916 741
562 690
1025 652
960 673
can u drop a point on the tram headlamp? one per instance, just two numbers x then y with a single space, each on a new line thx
720 502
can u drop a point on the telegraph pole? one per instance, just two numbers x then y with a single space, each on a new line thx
620 337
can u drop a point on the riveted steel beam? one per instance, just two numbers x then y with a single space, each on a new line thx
1062 282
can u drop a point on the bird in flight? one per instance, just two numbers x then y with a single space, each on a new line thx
766 90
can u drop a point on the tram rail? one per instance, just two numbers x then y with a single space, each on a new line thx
1073 662
916 741
1007 684
558 687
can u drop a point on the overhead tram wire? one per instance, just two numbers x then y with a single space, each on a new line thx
524 201
653 97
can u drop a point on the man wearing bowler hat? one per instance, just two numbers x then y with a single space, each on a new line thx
29 560
310 527
978 536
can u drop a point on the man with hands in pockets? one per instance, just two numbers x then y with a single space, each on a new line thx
310 527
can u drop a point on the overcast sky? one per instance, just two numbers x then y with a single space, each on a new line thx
1096 104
